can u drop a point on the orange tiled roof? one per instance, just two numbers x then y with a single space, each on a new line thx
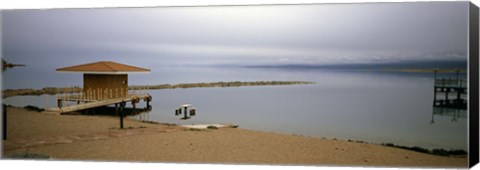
103 67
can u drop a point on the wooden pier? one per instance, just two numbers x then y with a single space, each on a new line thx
450 93
449 96
104 83
84 102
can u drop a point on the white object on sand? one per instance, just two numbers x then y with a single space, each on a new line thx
205 126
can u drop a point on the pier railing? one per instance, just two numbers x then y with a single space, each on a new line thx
450 83
91 95
91 98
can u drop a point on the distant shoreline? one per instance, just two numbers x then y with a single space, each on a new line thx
59 90
406 70
427 70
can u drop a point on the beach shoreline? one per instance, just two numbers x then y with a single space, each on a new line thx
98 138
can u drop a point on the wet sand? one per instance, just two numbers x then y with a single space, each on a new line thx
75 137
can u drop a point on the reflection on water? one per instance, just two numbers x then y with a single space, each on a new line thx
450 97
453 113
141 114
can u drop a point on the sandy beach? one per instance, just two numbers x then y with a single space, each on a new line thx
79 137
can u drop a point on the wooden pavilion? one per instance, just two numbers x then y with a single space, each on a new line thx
104 83
104 79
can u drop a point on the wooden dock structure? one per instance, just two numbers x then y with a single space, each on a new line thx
104 83
444 88
84 102
450 93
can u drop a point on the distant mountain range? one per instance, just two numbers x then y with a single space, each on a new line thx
454 64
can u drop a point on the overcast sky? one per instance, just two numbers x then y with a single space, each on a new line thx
239 35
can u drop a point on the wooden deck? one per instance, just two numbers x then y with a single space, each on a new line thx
90 103
450 93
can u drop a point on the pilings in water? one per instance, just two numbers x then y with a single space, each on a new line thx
447 91
447 101
448 87
449 97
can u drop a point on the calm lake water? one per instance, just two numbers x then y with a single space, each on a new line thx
378 107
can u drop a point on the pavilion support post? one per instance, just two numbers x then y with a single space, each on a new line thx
122 106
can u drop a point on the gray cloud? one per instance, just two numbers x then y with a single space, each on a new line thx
299 34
